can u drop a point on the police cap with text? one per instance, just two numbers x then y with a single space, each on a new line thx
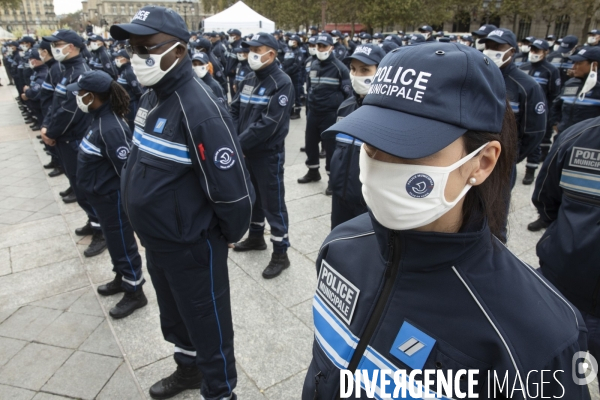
151 20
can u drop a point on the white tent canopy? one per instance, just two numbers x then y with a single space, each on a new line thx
4 34
241 17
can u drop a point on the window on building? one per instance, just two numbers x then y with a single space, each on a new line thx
114 9
562 26
130 10
122 10
524 28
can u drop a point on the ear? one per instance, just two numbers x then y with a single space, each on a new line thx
180 50
485 162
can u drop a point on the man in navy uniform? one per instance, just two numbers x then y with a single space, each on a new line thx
481 33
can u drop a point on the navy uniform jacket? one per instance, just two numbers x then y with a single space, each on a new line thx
67 121
129 81
186 174
340 51
103 152
345 170
567 195
14 60
218 71
27 71
563 64
102 61
232 60
567 109
292 62
385 300
329 85
86 54
36 82
53 77
529 106
546 75
520 58
220 52
283 47
215 87
261 110
241 72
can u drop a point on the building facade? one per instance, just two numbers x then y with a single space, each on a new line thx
31 16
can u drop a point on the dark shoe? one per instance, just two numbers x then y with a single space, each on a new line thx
295 114
130 302
11 84
52 165
328 191
183 378
279 262
56 172
36 128
112 287
66 192
85 230
38 136
537 225
251 243
529 176
322 154
97 246
29 120
71 198
303 149
312 175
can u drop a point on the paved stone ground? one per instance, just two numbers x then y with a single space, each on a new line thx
56 339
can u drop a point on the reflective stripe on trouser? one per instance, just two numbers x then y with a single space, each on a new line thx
67 152
266 174
192 289
315 124
120 240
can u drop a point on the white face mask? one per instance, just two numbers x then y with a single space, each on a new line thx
312 51
534 58
551 43
148 70
590 82
364 41
407 196
254 60
525 48
426 35
361 84
82 106
23 47
323 55
22 53
31 65
497 56
118 63
241 57
556 47
94 46
231 40
58 54
201 70
479 46
335 39
291 43
592 39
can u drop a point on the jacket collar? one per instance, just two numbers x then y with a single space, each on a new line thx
180 75
268 70
102 110
78 59
509 68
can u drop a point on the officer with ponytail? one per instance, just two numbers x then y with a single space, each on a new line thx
102 154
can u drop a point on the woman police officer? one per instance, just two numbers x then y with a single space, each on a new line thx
102 153
421 282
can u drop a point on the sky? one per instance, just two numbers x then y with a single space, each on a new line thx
66 6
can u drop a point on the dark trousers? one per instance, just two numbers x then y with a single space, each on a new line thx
7 68
533 160
297 90
119 237
192 289
315 124
67 152
231 80
343 210
266 174
36 111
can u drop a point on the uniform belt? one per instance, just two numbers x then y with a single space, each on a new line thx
342 137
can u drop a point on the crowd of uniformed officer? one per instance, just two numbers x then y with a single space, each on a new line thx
197 158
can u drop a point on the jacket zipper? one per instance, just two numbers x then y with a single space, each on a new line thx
589 200
317 380
348 164
391 273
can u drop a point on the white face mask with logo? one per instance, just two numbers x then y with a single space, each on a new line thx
201 70
407 196
479 46
148 70
534 58
525 48
323 55
497 56
592 39
254 60
361 84
590 82
312 51
82 106
58 54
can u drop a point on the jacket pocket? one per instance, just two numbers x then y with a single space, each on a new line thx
322 379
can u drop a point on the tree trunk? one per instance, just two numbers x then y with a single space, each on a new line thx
588 20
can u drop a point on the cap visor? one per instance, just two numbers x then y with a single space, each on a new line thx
73 87
123 31
252 43
397 133
50 38
496 39
577 58
362 58
324 42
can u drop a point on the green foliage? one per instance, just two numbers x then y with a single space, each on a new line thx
12 4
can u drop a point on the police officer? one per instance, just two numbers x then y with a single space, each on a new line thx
67 126
200 64
548 77
6 54
243 69
560 58
416 39
129 81
427 32
235 41
524 94
187 194
551 39
311 49
261 113
347 200
522 55
365 38
203 45
102 153
329 87
292 65
278 34
13 58
593 38
481 33
385 300
219 50
566 196
32 91
467 40
101 59
339 49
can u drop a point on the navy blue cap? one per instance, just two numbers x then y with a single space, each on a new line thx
46 46
66 35
93 81
540 44
378 35
27 39
262 39
550 37
594 32
35 55
589 53
312 40
151 20
467 38
370 54
388 46
393 38
123 53
452 37
313 28
234 32
296 38
364 35
528 39
501 35
484 30
95 38
325 38
336 33
210 34
416 38
12 43
425 28
202 43
241 50
444 40
568 42
425 97
202 57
